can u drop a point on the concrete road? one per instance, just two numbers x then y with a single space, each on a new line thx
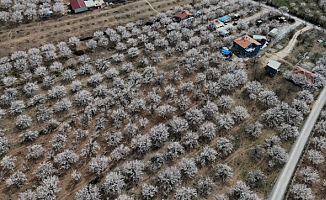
280 187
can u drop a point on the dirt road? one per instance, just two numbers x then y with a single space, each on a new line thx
288 49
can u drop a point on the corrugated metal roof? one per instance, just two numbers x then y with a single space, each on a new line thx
90 4
273 64
258 37
75 4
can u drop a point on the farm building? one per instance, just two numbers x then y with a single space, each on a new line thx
78 6
246 46
272 67
186 14
305 72
261 39
225 18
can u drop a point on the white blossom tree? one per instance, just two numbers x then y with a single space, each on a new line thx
223 172
185 193
66 159
148 191
98 164
169 179
90 191
17 179
133 170
49 189
113 184
254 129
301 191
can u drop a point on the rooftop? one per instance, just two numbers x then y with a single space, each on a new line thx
245 41
305 72
183 14
273 64
259 37
75 4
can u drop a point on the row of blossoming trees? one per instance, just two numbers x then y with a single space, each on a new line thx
310 182
19 11
123 124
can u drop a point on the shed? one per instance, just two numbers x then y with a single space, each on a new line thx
273 32
272 67
78 6
225 18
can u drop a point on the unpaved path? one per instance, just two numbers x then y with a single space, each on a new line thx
288 49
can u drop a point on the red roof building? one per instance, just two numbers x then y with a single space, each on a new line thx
307 74
245 41
78 5
183 14
246 46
